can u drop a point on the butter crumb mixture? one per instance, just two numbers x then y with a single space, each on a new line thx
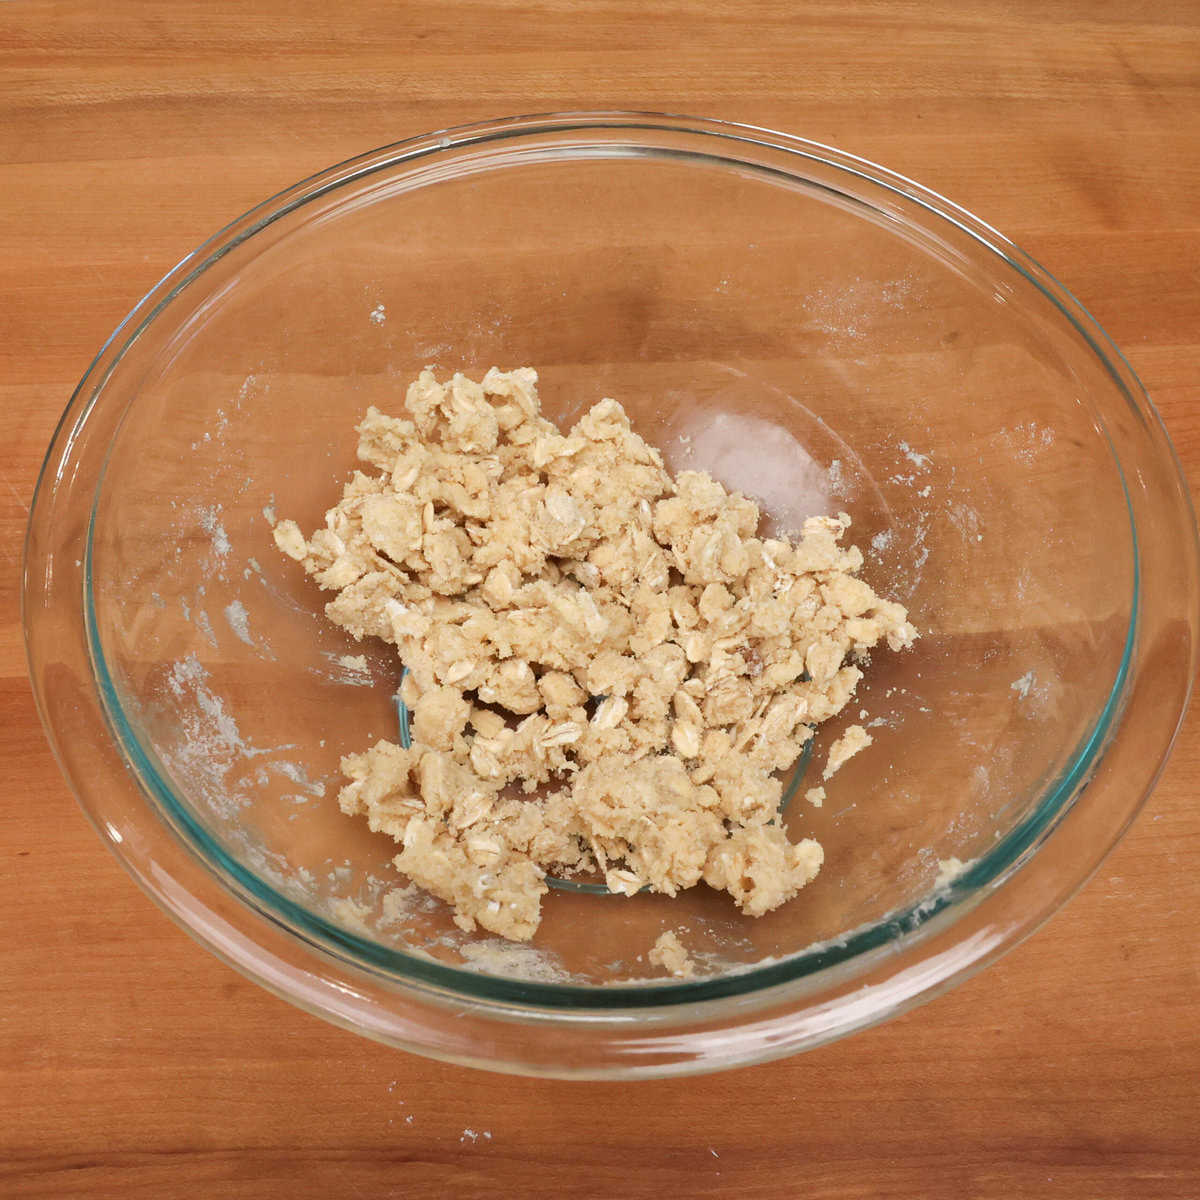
671 955
606 667
855 738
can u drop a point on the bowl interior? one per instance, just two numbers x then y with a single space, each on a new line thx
804 334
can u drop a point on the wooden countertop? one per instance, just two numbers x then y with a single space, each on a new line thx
133 1064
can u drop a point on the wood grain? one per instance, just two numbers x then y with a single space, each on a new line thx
134 1065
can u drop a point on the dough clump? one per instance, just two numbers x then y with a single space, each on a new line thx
671 955
606 666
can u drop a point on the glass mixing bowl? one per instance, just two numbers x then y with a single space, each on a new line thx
813 330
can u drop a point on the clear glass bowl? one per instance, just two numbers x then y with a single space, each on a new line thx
814 330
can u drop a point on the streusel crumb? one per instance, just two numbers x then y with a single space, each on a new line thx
607 667
671 955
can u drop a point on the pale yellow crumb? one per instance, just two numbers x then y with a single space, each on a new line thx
855 738
815 796
290 540
669 954
607 667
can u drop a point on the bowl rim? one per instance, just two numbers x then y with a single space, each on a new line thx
904 928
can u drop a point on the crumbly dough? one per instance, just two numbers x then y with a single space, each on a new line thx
606 667
855 738
670 954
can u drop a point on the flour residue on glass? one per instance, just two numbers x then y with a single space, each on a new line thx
209 517
239 621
